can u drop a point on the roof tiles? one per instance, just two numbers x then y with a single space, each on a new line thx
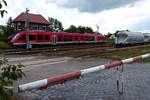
33 18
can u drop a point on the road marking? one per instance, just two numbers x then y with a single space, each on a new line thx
41 65
39 61
20 58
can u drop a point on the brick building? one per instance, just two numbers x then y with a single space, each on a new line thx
36 22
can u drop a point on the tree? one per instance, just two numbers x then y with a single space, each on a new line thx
1 4
9 22
108 35
8 30
79 29
72 29
55 25
9 74
88 30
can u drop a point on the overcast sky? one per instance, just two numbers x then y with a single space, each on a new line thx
110 15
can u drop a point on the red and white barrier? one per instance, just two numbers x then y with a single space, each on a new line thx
42 84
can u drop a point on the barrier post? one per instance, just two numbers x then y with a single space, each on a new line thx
120 79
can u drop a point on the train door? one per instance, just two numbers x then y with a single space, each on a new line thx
54 39
95 39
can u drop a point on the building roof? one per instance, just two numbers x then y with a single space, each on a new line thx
33 18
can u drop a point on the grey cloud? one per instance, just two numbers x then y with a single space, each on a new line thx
93 6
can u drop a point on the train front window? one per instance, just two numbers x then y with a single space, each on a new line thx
22 37
15 36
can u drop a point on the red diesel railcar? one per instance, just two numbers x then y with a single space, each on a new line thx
48 38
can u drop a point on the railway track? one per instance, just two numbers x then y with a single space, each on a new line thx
91 50
54 49
116 50
98 52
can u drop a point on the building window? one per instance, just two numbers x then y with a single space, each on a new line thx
35 27
44 27
19 26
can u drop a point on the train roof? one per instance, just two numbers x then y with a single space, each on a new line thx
64 33
131 33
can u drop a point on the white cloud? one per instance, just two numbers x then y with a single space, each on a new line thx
109 20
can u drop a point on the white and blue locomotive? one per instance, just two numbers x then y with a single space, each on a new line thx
124 38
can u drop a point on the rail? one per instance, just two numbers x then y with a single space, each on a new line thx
43 84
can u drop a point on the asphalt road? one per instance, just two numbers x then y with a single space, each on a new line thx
97 86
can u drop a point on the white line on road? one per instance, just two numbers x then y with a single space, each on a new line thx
41 65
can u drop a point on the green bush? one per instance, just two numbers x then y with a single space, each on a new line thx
4 45
110 41
8 31
0 51
8 75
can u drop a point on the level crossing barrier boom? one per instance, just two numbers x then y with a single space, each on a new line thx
42 84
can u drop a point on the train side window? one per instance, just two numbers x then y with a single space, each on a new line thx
32 37
100 38
40 37
22 37
60 38
46 37
70 38
89 38
97 38
75 37
82 37
86 38
65 37
92 38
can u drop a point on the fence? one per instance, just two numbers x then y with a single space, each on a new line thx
42 84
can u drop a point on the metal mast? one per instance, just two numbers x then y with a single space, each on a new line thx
97 29
27 29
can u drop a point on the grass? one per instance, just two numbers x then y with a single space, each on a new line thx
129 54
0 51
4 45
110 41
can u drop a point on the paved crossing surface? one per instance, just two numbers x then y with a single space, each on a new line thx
96 86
